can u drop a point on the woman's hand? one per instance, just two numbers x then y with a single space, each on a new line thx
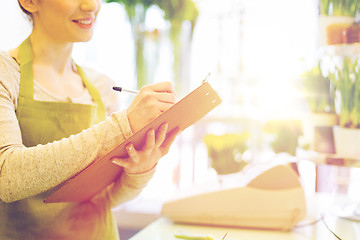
145 159
151 101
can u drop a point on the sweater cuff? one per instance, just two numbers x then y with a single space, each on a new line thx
136 178
125 125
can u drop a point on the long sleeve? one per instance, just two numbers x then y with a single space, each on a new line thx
28 171
128 186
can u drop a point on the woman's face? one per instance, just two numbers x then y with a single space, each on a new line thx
66 20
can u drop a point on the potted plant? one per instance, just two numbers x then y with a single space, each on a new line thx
336 17
339 7
347 82
226 151
285 134
319 92
176 12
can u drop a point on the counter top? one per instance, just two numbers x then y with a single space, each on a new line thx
320 223
165 229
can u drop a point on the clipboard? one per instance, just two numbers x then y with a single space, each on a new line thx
102 172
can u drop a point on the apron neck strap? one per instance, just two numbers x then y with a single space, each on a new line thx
26 69
101 112
92 90
27 75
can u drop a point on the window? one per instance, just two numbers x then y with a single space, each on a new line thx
254 50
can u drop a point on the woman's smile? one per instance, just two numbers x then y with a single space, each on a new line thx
65 21
85 22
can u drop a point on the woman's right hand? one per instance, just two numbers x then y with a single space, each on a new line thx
151 101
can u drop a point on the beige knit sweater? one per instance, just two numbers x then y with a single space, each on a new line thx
25 172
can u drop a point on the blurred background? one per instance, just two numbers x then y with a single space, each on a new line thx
286 70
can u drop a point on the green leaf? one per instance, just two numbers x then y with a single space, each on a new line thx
318 90
339 7
347 82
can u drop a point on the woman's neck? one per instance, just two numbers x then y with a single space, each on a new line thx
53 67
52 54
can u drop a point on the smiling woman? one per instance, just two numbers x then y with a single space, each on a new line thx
63 19
250 47
56 118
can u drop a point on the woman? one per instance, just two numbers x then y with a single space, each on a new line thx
53 124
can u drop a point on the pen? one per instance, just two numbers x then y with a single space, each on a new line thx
120 89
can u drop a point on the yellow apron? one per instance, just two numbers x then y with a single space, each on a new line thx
42 122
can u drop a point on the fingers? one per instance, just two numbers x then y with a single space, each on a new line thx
152 98
132 151
169 140
162 87
150 140
161 134
163 92
151 102
161 140
156 146
122 162
162 107
166 97
155 140
128 161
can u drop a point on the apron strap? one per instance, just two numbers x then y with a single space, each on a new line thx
26 75
93 92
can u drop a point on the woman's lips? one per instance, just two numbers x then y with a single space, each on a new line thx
84 23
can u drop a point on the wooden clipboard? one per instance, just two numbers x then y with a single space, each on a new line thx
102 172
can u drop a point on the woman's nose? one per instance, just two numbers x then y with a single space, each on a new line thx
91 5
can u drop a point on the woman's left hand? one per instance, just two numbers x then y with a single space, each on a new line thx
145 159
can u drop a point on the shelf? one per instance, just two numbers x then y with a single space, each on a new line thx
342 50
328 159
